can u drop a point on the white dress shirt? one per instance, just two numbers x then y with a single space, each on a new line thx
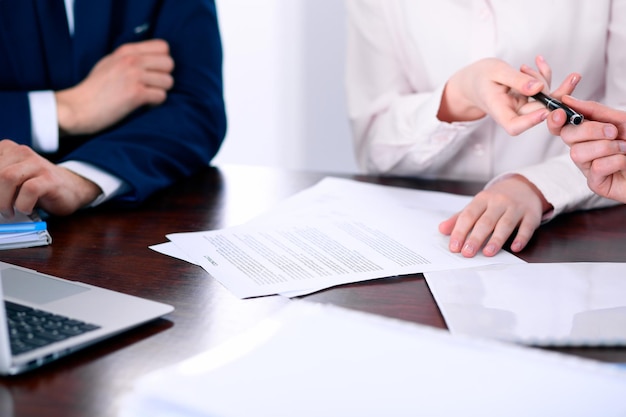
45 128
402 52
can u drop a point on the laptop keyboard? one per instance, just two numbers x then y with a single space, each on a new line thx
30 328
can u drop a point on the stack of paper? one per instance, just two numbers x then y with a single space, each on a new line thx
23 231
315 360
336 232
556 304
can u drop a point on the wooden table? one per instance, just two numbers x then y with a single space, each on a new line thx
109 247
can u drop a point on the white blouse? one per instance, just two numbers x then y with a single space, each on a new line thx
402 52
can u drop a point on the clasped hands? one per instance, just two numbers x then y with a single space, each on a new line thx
134 75
513 205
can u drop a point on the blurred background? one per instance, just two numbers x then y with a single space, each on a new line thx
284 84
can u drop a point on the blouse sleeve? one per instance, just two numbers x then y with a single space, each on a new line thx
388 117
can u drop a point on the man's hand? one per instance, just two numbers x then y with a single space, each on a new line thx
134 75
493 215
27 180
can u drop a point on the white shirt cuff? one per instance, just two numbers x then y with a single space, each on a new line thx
109 184
44 124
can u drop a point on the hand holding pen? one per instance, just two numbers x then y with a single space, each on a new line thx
598 147
567 87
492 87
551 103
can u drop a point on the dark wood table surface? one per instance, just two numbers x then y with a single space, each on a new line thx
109 247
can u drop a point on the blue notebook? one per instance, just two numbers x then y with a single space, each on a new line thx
23 231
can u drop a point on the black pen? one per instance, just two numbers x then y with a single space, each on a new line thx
573 117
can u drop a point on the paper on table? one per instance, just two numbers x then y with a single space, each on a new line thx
317 360
337 232
575 304
170 249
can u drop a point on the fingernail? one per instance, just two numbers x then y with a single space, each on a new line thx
574 80
516 246
532 84
469 249
622 146
490 249
545 115
455 246
541 58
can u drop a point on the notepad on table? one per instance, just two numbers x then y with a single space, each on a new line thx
23 231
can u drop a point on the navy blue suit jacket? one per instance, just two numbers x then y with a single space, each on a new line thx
152 147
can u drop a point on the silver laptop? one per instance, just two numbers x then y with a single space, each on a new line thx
44 318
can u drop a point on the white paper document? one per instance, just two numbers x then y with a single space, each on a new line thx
337 232
311 360
556 304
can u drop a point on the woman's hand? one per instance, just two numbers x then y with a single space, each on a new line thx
493 216
492 87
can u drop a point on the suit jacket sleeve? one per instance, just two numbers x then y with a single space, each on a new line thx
15 117
157 146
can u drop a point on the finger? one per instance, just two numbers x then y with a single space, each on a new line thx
11 179
514 123
29 193
153 96
446 226
535 74
157 80
544 69
157 63
11 152
607 176
502 231
148 47
567 86
556 121
527 227
481 231
16 169
595 111
465 222
608 165
588 131
517 80
585 152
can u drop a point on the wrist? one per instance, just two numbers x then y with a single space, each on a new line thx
86 191
455 108
66 115
545 204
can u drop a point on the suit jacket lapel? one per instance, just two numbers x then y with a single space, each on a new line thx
57 42
23 65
